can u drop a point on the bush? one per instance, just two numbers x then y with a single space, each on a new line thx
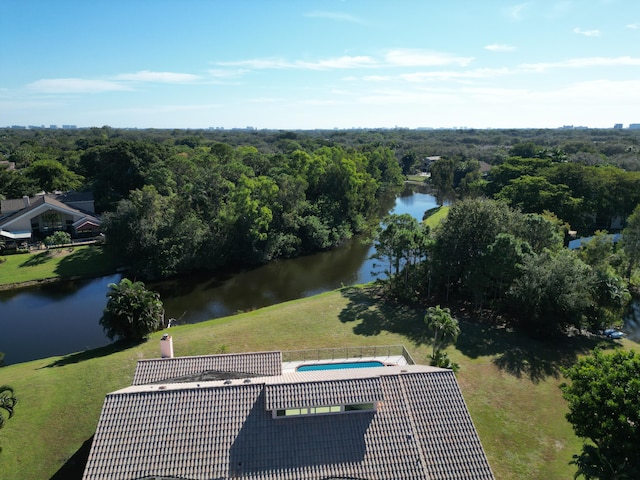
57 238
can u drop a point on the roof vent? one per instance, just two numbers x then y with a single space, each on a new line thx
247 380
227 382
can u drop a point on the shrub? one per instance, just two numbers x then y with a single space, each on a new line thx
57 238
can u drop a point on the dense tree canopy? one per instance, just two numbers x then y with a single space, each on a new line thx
514 263
603 395
179 200
631 241
209 209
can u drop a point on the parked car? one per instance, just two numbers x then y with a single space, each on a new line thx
616 334
609 331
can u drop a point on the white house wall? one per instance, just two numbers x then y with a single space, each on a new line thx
23 222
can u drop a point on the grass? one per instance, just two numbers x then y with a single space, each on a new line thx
436 215
510 382
417 178
60 263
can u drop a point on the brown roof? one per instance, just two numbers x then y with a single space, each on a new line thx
225 429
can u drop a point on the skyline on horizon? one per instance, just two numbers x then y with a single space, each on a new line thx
320 64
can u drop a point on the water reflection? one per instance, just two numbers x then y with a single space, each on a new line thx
52 320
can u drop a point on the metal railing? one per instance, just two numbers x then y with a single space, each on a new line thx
347 352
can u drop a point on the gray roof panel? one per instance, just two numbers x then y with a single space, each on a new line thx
164 369
216 430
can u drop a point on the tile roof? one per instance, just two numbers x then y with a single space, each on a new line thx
222 430
163 369
316 394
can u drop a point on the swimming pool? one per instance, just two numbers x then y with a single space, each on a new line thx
337 366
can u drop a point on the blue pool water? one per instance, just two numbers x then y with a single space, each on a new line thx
336 366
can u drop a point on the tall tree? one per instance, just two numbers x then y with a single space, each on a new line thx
463 237
132 311
603 398
631 241
553 293
51 175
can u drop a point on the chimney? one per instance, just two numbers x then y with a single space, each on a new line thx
166 346
26 201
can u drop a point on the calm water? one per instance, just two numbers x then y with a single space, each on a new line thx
63 318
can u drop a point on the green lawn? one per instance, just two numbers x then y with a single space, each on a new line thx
417 178
56 263
510 383
436 215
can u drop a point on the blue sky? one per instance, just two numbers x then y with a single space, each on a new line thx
320 64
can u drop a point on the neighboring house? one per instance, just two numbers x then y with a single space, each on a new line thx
246 416
33 218
425 163
579 242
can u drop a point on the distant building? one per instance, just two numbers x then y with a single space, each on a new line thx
617 126
634 126
69 127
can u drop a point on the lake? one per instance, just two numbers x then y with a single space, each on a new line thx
62 318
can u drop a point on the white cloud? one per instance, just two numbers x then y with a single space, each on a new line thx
392 58
338 16
448 75
500 47
326 64
420 58
75 85
516 12
157 77
587 33
337 63
584 63
220 74
633 26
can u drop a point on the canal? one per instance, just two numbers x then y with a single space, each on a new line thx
62 318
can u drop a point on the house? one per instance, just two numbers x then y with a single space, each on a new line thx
249 416
427 162
33 218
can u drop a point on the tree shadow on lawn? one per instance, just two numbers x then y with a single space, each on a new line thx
73 469
78 357
35 260
92 261
520 354
512 351
376 314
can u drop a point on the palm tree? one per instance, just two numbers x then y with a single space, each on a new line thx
8 401
132 312
445 328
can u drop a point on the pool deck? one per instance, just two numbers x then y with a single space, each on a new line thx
289 367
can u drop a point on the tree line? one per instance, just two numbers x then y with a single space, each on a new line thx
496 257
